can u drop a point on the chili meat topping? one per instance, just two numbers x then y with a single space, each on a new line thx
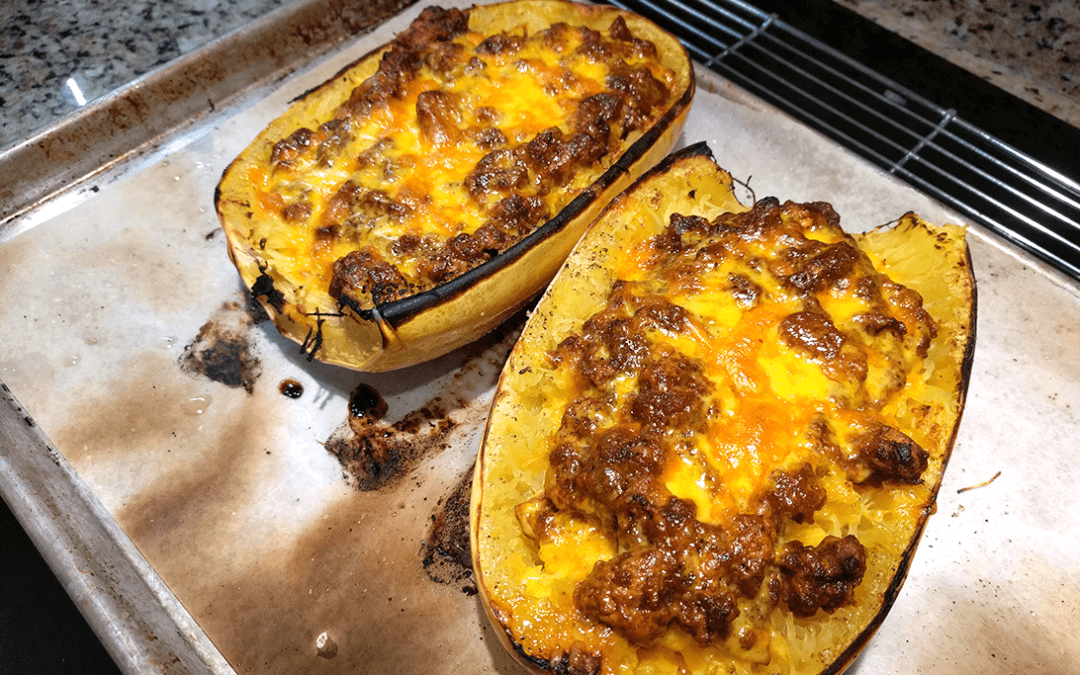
457 147
738 368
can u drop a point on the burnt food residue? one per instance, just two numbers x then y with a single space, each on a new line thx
446 555
222 351
375 454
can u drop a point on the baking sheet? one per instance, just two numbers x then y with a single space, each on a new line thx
249 545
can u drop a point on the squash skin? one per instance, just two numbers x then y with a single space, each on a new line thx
908 245
432 322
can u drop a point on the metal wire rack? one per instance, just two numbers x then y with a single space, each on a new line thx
1023 201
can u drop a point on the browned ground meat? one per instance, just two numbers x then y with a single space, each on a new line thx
890 455
608 464
500 170
796 495
438 114
814 333
508 181
489 138
500 44
631 593
642 93
818 265
403 59
364 273
508 186
285 151
670 395
746 292
434 24
875 323
640 48
335 134
820 577
358 208
910 299
296 212
447 58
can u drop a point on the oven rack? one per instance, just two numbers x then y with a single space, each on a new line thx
933 149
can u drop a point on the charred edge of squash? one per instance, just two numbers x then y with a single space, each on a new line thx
398 312
969 349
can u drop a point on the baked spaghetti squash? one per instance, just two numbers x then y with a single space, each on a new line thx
717 442
422 195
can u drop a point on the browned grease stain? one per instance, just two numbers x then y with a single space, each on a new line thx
354 575
365 403
194 473
374 454
223 351
181 524
142 416
447 558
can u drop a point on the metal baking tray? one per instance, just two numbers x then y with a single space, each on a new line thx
207 520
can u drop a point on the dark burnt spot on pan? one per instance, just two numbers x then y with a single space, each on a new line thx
366 403
290 388
446 556
222 350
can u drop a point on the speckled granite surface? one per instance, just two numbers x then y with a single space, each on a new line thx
56 55
1030 49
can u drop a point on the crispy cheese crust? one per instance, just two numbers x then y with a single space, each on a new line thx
720 459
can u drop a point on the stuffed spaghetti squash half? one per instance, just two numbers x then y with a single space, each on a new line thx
716 444
422 195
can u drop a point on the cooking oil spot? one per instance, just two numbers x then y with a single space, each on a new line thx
291 388
366 403
325 646
197 405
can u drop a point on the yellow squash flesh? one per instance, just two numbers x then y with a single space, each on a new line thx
436 320
529 591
